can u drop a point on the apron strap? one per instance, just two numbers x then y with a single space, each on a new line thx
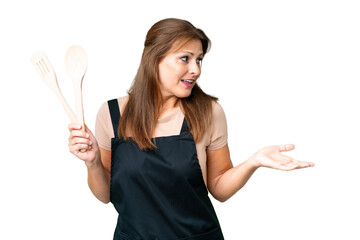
184 127
114 114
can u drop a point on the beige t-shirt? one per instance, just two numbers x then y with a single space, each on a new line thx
169 125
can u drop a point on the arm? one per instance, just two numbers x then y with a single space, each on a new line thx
99 176
97 161
224 180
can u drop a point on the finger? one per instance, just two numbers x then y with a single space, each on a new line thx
79 148
78 133
286 147
81 141
74 149
291 165
91 135
288 167
296 165
306 164
74 126
87 129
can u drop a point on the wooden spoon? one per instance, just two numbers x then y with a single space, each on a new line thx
76 65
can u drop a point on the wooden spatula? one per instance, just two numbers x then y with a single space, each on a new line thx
47 74
76 65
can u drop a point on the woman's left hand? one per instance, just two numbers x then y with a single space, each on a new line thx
272 157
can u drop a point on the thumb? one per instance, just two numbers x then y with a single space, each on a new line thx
286 147
91 135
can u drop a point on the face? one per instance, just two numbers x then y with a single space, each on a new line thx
179 70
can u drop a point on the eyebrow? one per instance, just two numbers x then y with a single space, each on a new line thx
192 54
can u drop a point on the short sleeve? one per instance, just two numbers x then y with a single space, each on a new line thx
218 128
103 127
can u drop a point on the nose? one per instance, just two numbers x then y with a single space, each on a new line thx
194 69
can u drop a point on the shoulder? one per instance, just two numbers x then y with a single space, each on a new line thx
122 101
103 115
104 109
217 107
218 128
103 127
217 112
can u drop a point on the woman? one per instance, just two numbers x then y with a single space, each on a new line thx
159 150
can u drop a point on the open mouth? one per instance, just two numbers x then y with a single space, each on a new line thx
188 82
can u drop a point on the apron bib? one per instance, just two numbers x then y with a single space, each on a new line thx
159 194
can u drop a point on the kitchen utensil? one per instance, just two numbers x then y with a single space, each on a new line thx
76 65
47 73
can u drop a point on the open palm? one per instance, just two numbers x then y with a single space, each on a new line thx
272 157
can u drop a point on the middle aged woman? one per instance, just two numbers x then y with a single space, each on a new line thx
159 150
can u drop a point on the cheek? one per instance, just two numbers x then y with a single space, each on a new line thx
169 73
163 75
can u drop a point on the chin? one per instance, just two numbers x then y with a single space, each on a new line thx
184 94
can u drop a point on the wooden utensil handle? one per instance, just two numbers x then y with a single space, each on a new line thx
70 112
79 109
66 106
79 106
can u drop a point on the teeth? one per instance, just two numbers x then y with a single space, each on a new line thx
189 81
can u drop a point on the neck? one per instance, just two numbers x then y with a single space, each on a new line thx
168 104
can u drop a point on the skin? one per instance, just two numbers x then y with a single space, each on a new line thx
223 179
184 64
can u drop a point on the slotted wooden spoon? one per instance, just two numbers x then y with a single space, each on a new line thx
47 74
76 65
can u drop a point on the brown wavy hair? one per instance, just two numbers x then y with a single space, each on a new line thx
142 110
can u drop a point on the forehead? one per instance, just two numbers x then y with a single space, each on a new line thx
192 45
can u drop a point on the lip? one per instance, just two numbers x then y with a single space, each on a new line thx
187 83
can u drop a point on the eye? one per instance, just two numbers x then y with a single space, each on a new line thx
199 60
184 59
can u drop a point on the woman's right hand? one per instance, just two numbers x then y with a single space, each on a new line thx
83 144
98 177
